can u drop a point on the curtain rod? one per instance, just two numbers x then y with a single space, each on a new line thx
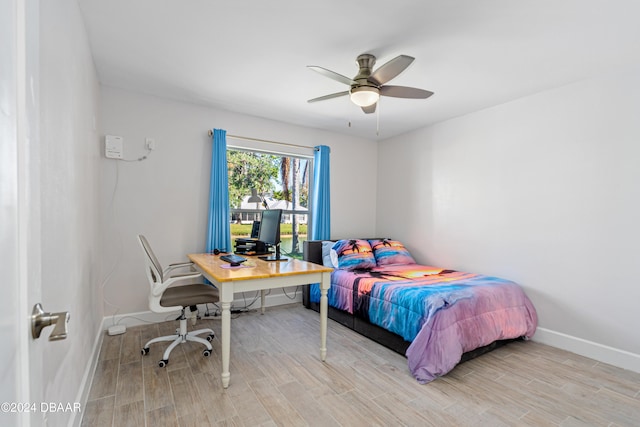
246 138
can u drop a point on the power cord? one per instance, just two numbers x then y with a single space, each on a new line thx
115 328
234 310
295 293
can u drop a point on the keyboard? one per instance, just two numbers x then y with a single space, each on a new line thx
233 259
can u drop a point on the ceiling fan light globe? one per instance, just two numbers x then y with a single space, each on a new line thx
364 96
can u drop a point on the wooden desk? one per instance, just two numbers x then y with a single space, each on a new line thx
262 275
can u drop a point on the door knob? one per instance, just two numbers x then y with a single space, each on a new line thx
40 320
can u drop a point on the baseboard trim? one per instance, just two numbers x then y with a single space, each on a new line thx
87 379
602 353
146 317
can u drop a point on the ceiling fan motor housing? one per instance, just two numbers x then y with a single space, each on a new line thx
364 92
366 63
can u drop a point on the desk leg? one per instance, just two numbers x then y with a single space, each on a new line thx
226 342
324 288
262 301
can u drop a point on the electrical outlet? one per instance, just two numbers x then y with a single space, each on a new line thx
150 143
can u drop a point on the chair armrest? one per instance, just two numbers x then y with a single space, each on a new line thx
177 265
180 264
176 277
159 289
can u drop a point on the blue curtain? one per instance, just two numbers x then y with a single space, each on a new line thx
219 229
321 203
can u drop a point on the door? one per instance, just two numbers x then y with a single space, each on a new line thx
20 360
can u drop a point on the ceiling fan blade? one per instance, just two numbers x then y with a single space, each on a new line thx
405 92
333 95
370 109
391 69
331 74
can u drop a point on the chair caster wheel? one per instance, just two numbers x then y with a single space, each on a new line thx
145 351
163 363
210 337
206 353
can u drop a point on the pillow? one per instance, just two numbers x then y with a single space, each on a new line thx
327 259
389 252
354 255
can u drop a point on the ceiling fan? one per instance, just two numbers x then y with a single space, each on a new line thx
368 85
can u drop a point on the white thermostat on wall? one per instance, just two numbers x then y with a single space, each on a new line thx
113 147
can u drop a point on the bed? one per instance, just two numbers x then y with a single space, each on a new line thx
436 317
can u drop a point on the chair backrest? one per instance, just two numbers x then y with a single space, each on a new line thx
154 269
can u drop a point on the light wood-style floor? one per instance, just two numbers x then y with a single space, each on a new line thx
278 379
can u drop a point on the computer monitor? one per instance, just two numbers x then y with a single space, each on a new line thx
270 232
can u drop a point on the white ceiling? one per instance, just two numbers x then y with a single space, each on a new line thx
251 56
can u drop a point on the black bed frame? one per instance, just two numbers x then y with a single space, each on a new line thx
313 253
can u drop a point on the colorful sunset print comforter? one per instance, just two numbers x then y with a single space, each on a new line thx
443 313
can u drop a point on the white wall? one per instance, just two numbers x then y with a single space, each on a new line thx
544 191
166 196
67 169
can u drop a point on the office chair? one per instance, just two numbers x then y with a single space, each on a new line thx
164 298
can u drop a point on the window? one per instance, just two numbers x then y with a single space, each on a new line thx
259 181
